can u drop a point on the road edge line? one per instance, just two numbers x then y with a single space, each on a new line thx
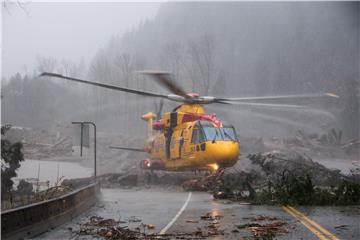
306 224
163 231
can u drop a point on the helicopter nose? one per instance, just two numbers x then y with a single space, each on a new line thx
224 153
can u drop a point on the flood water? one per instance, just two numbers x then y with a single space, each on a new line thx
52 170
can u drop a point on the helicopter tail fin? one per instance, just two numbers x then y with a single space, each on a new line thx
149 118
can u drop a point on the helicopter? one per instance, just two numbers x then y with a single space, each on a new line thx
187 138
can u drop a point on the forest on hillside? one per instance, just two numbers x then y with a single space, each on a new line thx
224 49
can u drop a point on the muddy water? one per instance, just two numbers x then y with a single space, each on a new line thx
51 170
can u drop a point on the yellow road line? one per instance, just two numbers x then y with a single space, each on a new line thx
326 232
306 224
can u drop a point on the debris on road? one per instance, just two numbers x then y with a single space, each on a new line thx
262 218
194 185
271 228
148 226
213 225
112 229
209 216
192 221
107 228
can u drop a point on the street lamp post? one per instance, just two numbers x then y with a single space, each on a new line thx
93 124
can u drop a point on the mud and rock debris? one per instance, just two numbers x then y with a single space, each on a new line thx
40 144
326 144
352 147
133 219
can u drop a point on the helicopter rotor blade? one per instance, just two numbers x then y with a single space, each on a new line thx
180 95
272 105
165 79
280 97
103 85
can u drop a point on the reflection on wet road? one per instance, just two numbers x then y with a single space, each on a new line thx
160 207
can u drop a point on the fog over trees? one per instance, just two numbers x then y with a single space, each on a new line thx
224 49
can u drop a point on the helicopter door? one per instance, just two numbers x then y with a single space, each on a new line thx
169 135
176 145
186 148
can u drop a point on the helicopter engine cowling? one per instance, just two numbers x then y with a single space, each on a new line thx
150 164
158 125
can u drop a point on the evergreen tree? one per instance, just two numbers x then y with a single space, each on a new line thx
11 156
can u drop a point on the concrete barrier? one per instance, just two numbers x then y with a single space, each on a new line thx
31 220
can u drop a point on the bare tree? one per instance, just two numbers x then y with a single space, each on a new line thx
46 64
201 55
124 66
173 58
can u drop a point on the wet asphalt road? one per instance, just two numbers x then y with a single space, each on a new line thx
159 207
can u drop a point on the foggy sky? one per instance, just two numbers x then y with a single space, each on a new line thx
64 30
255 49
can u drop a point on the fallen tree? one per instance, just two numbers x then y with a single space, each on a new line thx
289 178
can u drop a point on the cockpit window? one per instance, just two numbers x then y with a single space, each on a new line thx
222 134
205 131
229 133
212 133
197 135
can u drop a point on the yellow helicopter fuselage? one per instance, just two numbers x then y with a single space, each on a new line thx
189 139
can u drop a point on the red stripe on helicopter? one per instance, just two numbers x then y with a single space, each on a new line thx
189 117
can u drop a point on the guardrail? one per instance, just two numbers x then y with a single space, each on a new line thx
34 219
